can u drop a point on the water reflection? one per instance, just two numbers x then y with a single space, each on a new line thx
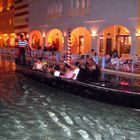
132 81
30 110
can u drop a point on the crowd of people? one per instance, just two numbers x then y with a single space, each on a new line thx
63 70
114 61
85 69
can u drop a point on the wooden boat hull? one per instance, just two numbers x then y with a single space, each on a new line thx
101 91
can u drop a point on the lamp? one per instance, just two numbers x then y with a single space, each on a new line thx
65 34
43 35
101 37
94 33
27 36
138 34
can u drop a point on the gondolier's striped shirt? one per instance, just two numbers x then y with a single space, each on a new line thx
22 43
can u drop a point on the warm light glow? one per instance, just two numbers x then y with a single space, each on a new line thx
62 40
12 34
126 30
50 39
5 35
9 4
65 34
72 39
35 39
94 33
138 34
27 36
43 35
1 6
101 37
82 39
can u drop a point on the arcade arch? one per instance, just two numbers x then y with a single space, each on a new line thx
35 39
116 37
81 40
54 40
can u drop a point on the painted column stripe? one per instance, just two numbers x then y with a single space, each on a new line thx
69 49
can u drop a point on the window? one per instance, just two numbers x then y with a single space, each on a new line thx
9 4
55 9
80 7
1 5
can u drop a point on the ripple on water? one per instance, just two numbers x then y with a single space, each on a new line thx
30 110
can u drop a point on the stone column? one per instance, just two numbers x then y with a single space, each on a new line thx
134 50
94 43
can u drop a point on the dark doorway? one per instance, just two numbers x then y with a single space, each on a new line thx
108 45
81 44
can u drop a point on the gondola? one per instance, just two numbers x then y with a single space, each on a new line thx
104 91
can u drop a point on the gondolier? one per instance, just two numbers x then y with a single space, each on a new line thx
22 44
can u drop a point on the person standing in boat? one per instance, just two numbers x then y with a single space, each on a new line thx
22 44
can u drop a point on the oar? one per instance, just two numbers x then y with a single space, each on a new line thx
32 59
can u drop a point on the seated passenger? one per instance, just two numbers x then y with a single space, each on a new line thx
51 69
45 65
93 71
56 70
82 76
38 65
62 69
126 65
72 72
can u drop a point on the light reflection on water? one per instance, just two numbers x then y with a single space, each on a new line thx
30 110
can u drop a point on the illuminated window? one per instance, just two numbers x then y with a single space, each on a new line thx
9 4
1 5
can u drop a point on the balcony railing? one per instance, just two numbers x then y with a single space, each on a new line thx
127 64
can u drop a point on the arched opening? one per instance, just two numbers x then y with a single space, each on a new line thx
35 39
116 37
81 39
54 40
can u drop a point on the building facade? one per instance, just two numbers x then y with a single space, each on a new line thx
21 17
7 35
13 21
103 26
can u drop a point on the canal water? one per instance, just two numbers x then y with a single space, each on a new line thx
30 110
